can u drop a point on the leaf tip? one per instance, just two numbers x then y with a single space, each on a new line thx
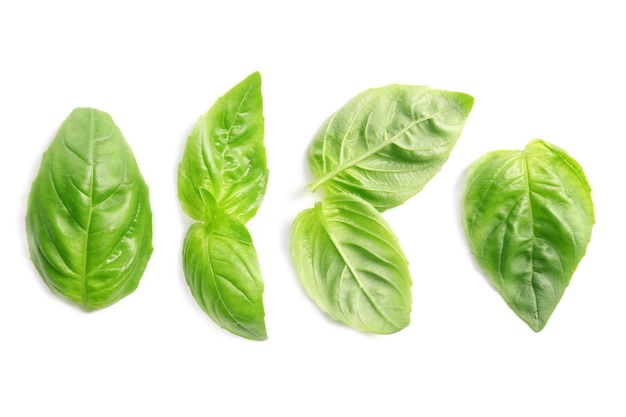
537 326
258 333
254 78
467 100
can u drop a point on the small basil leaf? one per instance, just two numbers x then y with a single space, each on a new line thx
226 156
89 222
350 263
223 274
387 143
528 217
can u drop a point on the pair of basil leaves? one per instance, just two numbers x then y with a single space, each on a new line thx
222 180
376 152
527 215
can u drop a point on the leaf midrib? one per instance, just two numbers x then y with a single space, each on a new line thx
531 220
222 165
352 269
348 164
220 299
92 143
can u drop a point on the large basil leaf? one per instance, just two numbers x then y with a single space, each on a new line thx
350 263
528 217
387 143
89 222
226 156
222 271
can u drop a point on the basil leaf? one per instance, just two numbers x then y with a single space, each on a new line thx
528 217
350 263
89 222
226 156
223 274
387 143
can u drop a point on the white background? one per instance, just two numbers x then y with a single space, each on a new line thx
537 69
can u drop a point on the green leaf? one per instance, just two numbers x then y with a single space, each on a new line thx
223 274
387 143
225 155
89 222
528 217
350 263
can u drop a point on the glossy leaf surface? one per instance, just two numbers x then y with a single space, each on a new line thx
387 143
221 183
89 222
223 274
528 217
350 263
225 155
